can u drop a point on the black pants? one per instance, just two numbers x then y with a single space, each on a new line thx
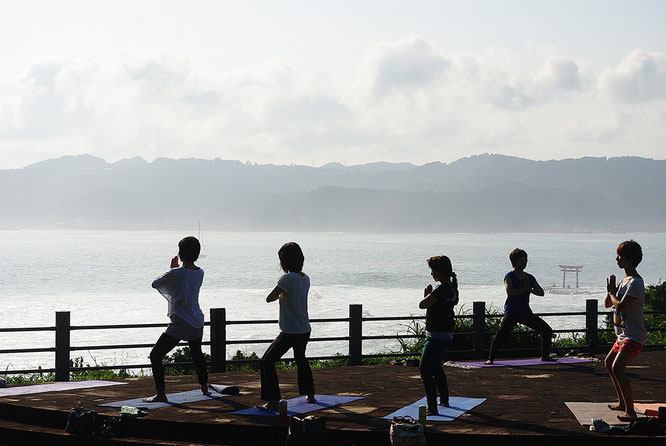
530 320
163 346
270 388
432 373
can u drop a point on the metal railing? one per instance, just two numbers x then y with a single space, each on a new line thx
218 343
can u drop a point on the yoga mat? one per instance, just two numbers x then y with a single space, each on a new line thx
458 406
297 406
524 362
649 409
190 396
55 387
585 412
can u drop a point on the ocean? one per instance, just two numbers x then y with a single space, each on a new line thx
104 277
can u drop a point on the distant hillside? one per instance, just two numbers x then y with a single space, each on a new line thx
485 193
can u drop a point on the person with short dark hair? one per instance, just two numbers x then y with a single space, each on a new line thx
627 299
292 293
438 303
519 285
180 287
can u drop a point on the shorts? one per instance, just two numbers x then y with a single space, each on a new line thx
632 348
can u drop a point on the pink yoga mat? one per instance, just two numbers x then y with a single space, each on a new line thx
524 362
649 409
55 387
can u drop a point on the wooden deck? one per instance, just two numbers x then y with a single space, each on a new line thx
520 401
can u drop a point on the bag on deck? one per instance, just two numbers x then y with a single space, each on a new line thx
82 421
405 431
309 431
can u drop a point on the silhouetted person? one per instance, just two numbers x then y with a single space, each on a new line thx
439 303
292 293
627 299
180 286
519 285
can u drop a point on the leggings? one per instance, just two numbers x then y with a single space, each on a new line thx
432 374
270 388
163 346
530 320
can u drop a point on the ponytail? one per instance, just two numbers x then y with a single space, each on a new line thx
454 282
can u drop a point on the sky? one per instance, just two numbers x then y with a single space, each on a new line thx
313 82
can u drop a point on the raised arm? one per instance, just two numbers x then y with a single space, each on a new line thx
536 288
611 297
511 291
274 295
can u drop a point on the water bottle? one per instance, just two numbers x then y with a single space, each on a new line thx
422 415
282 408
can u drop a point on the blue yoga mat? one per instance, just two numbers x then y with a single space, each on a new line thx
297 406
458 406
191 396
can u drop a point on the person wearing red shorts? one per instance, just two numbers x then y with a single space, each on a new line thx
627 299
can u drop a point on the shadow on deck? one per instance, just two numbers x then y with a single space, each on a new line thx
526 402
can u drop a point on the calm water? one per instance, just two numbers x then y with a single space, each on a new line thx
103 277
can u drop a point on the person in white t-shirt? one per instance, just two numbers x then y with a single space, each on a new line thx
292 293
180 287
627 299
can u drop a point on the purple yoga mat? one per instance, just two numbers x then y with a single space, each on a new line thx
524 362
297 406
55 387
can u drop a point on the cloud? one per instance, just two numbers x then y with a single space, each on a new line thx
640 77
401 66
411 101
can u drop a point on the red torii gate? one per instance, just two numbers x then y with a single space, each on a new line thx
571 269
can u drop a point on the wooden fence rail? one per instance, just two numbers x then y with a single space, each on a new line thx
219 342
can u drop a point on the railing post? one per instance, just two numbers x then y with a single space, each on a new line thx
479 327
355 334
62 344
592 325
218 340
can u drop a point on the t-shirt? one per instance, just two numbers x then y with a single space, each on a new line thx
439 317
630 323
180 287
294 303
519 303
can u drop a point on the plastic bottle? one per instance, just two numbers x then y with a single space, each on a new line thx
422 415
282 408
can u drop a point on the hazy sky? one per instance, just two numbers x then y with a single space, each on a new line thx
310 82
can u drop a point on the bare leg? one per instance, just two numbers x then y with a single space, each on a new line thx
619 366
608 362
